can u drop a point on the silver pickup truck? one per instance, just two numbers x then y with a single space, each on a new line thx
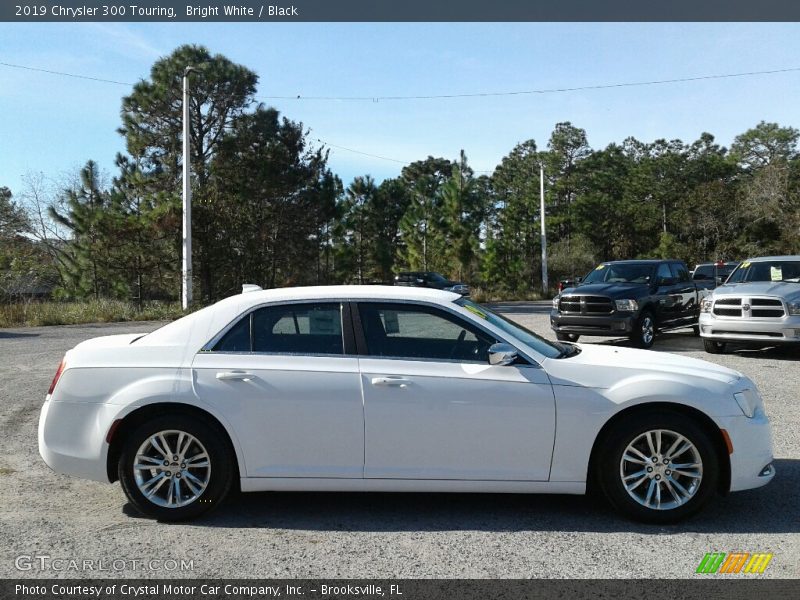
758 305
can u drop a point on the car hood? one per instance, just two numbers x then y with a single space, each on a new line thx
782 289
601 366
610 290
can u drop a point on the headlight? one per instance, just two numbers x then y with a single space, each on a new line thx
706 304
748 401
794 308
555 302
627 305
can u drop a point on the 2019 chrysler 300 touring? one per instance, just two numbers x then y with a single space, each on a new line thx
361 388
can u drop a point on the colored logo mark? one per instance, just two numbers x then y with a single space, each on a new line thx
734 562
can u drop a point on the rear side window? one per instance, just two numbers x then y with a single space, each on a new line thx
288 329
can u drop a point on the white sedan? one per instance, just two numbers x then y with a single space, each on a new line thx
361 388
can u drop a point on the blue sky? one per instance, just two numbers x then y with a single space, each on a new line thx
54 124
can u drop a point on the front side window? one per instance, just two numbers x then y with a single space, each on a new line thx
680 273
421 332
663 274
287 329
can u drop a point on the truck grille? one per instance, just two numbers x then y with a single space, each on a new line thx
586 305
749 307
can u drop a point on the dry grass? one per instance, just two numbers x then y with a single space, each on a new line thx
31 314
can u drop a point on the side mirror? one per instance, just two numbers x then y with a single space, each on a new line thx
501 355
578 279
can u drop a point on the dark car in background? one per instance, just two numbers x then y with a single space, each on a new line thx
431 279
631 298
717 272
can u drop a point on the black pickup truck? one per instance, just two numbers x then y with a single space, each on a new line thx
632 298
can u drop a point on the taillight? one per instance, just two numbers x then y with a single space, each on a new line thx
57 377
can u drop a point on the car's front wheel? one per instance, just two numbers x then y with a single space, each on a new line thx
567 337
175 468
644 331
658 468
713 347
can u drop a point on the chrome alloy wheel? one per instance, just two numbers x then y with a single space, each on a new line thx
661 469
172 468
648 329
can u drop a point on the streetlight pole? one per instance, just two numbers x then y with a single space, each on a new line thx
186 272
544 228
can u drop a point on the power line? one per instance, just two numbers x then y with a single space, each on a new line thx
5 64
539 91
450 96
394 160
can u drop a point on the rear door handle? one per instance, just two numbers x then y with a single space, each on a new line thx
234 376
390 381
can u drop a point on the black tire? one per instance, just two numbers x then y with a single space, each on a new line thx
218 480
714 347
609 468
567 337
644 332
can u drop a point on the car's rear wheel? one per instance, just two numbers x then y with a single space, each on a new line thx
567 337
644 331
175 468
714 347
658 468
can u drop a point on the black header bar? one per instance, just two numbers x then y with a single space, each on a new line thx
398 10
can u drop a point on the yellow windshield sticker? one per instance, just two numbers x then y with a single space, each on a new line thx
745 265
475 310
776 273
599 267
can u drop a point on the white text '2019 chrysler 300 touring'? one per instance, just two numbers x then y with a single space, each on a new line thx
362 388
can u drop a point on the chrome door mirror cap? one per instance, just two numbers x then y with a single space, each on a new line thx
502 354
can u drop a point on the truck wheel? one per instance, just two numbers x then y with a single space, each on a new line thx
567 337
714 347
644 332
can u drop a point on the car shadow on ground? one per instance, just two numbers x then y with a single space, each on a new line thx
772 509
15 334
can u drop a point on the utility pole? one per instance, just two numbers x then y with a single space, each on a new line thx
545 286
186 278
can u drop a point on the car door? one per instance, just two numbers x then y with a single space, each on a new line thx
286 379
686 289
436 409
668 298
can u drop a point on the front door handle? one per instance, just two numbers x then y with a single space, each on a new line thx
400 382
234 376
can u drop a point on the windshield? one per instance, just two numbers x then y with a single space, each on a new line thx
620 273
438 277
767 270
709 271
538 343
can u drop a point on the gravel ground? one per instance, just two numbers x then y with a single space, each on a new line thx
296 535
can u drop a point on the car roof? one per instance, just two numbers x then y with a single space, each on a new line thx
726 263
642 261
346 292
766 258
196 329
